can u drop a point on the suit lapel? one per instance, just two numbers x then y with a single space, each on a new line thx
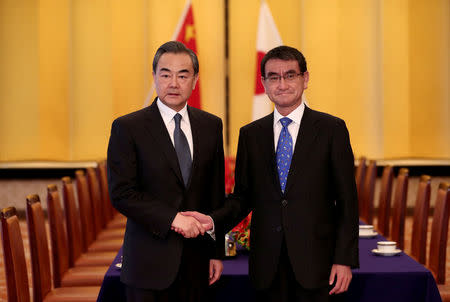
196 131
306 136
159 132
266 142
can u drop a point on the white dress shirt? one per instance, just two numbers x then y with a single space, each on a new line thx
296 117
168 114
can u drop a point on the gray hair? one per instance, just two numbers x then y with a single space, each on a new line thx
175 47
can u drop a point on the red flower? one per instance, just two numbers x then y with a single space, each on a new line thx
241 232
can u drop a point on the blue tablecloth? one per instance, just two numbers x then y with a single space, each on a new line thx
379 279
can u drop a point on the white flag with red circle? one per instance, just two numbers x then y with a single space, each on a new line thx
267 38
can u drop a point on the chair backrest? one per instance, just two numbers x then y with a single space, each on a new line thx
75 240
96 200
384 205
420 220
58 235
368 192
439 230
40 259
103 178
14 255
399 209
86 212
359 175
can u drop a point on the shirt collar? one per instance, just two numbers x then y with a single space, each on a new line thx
168 113
295 116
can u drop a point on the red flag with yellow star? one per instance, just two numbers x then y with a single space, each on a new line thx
185 33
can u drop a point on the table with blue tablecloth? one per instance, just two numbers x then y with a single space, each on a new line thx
379 279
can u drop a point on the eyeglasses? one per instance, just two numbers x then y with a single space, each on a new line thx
288 77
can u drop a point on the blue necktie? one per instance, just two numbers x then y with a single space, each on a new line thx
182 149
284 152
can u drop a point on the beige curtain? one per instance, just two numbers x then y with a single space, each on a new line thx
69 67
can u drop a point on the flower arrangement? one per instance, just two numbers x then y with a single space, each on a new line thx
241 232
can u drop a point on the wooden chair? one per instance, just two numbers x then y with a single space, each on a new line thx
117 219
103 181
87 220
359 175
439 230
96 200
13 252
63 276
420 220
101 207
86 215
78 256
368 192
384 204
40 262
399 209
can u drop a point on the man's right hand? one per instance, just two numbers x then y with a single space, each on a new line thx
205 220
187 226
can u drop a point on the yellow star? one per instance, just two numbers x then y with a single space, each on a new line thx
189 34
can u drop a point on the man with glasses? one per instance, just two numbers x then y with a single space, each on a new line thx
294 170
163 160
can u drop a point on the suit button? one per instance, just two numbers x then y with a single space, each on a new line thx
284 202
278 229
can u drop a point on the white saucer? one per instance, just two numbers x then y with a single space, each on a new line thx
369 235
393 253
118 265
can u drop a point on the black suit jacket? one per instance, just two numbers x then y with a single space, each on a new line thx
146 185
317 214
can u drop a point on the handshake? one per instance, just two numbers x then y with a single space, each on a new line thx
190 224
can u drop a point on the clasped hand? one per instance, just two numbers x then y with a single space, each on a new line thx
190 224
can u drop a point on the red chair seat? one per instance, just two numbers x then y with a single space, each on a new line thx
84 276
111 245
96 259
111 234
73 294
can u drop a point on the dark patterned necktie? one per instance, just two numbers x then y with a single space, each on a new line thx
284 152
182 149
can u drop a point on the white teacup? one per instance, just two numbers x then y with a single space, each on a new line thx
386 246
365 230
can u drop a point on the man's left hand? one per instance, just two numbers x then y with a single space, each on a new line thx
215 270
343 276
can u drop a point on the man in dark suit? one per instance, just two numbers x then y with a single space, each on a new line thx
294 170
163 160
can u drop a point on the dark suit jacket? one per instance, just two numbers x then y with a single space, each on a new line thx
146 185
317 214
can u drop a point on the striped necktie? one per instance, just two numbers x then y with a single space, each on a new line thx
182 149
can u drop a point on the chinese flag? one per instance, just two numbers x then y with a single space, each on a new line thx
185 33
